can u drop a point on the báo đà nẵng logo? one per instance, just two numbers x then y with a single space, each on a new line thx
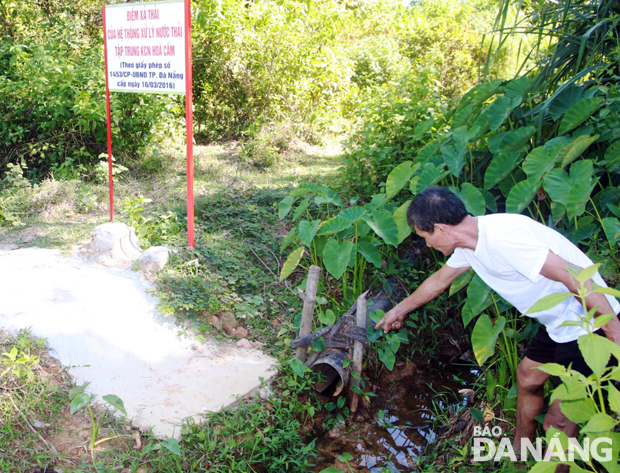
490 444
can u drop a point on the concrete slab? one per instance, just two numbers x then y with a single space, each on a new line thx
104 326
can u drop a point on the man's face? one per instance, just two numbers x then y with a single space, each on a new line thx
439 239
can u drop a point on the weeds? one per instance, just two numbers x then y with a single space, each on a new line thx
30 397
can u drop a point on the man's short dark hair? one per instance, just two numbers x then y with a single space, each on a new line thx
435 205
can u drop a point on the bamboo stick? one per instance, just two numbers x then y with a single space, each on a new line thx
308 311
358 351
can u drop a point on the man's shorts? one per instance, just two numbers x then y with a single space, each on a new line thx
544 350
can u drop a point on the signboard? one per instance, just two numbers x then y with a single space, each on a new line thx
145 47
148 49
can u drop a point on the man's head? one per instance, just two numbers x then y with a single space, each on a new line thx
436 208
435 205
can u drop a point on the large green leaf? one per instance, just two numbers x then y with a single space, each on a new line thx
498 111
612 157
509 141
333 225
384 225
307 231
288 239
521 195
582 185
428 175
80 402
400 217
578 198
517 88
352 214
327 196
397 179
115 402
478 295
461 117
466 314
489 200
430 150
500 167
369 252
460 282
557 185
584 229
336 257
301 208
454 157
600 422
575 148
387 357
472 198
579 113
548 302
284 207
570 390
595 353
291 263
613 397
564 101
611 226
539 162
484 336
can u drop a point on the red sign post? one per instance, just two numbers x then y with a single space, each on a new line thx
148 49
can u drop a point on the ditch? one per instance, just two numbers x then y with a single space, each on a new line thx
414 405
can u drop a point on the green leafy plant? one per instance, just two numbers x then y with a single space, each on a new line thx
345 241
80 400
150 228
592 402
385 345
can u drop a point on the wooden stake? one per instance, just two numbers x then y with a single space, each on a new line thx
305 327
358 350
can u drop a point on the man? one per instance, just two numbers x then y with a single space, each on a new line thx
523 261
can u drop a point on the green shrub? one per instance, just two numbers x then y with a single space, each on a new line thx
395 123
376 62
53 108
263 62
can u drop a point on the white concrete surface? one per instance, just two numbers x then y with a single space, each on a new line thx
103 325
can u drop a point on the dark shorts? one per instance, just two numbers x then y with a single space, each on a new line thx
544 350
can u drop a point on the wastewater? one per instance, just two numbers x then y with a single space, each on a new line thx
392 431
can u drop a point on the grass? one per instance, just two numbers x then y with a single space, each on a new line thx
233 269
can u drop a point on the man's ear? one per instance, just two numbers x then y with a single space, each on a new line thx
442 228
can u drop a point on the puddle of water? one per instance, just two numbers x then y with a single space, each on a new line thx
401 425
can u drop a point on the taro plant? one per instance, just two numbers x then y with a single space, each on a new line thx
385 345
544 143
80 400
344 239
593 402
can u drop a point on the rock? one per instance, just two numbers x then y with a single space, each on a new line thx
113 244
228 328
215 321
229 322
154 259
229 317
241 332
258 344
244 343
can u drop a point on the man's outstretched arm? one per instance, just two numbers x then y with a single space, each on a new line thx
427 291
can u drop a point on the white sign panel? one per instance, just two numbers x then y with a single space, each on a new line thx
145 47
